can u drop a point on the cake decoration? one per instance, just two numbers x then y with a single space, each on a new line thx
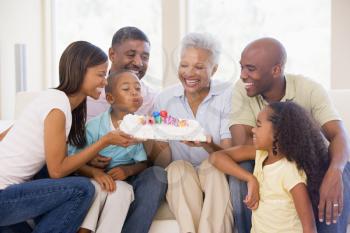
162 126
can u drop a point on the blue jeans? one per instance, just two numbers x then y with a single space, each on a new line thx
342 222
149 189
241 214
61 204
22 227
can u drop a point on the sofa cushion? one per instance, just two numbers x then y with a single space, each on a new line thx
164 212
161 226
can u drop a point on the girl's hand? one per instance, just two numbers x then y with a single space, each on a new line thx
119 173
252 198
104 180
119 138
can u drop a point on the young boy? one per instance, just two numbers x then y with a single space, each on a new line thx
130 49
113 194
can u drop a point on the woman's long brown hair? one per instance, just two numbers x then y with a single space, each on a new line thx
74 62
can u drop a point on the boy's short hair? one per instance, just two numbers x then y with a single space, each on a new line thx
128 33
113 77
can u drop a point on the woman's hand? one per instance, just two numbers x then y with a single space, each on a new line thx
205 144
252 198
119 138
209 145
105 181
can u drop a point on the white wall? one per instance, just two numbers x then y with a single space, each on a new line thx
340 52
25 21
172 14
20 22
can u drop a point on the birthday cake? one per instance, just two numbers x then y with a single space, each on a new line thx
161 126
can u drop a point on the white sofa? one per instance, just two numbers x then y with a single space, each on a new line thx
164 220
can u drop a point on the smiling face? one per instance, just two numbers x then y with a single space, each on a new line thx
95 80
257 72
263 134
130 55
126 93
195 69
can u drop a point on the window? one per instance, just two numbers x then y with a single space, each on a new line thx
302 26
96 21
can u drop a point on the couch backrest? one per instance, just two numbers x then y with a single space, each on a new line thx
22 99
339 98
341 101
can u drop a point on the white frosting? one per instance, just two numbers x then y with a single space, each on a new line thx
131 124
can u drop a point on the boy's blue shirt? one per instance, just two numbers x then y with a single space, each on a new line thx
100 126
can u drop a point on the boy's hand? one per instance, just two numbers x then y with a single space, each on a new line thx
105 181
100 161
119 173
252 198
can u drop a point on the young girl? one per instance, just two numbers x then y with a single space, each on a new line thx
289 152
113 194
40 136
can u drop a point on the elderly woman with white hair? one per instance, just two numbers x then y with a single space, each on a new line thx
198 194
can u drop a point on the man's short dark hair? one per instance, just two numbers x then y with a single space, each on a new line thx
129 33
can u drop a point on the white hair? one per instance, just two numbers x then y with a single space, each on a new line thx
202 41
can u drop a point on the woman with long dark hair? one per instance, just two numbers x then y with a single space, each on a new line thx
40 135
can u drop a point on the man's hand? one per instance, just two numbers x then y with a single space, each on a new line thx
119 173
105 181
100 161
331 196
252 198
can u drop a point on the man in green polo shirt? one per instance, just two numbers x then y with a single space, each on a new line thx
263 81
